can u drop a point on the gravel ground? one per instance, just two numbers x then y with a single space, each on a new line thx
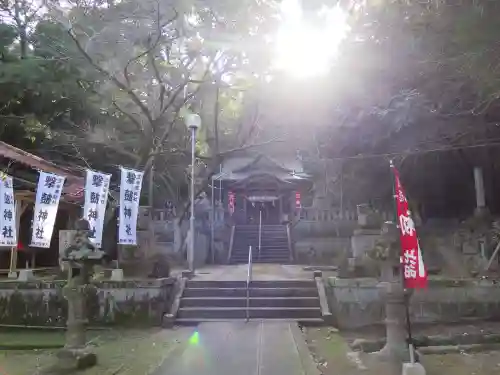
130 352
334 357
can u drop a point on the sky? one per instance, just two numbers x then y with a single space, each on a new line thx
306 48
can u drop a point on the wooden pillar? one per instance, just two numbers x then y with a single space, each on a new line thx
245 218
20 207
280 209
13 259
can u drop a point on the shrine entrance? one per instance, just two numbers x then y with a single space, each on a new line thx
262 196
269 211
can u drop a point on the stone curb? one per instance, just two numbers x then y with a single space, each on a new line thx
447 349
30 347
306 359
423 342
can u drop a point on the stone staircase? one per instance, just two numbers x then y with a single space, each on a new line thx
296 300
274 244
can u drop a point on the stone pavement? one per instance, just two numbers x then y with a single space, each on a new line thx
239 348
238 272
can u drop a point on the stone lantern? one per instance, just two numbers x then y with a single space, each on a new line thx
81 256
386 253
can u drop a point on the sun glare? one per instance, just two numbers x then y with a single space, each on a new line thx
303 49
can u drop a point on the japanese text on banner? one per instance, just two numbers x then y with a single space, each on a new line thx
8 235
48 193
130 193
96 197
415 275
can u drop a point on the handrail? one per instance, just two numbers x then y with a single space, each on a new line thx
231 241
289 239
260 230
249 280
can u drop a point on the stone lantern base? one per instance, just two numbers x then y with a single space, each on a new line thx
75 359
75 354
396 346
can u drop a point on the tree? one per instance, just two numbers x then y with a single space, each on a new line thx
37 88
173 57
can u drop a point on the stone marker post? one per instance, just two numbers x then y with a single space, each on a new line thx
81 256
481 208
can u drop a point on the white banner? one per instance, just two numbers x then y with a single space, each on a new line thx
96 197
8 235
130 192
48 193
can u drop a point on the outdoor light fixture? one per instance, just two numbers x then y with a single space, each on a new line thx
193 121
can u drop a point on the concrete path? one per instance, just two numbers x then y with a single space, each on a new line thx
238 348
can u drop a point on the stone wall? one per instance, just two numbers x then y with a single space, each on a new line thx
322 250
355 303
127 303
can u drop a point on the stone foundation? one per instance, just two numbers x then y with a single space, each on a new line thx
355 303
124 303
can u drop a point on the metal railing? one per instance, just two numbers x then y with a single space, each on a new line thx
289 239
249 280
231 243
260 231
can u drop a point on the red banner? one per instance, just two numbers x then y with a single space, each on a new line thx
415 275
297 200
231 202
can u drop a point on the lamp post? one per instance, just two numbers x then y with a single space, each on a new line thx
193 122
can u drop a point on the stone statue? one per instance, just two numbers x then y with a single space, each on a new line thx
81 256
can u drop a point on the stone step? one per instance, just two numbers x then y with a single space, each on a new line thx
272 245
263 261
263 236
254 292
255 254
312 322
245 245
255 242
262 245
281 251
265 240
253 284
265 227
255 250
264 233
276 252
244 257
295 313
284 259
253 301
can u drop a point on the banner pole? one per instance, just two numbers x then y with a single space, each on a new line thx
409 340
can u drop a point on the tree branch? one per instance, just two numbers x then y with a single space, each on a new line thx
133 96
152 46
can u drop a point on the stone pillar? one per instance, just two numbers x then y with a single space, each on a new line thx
75 333
75 354
81 256
396 347
393 294
479 188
